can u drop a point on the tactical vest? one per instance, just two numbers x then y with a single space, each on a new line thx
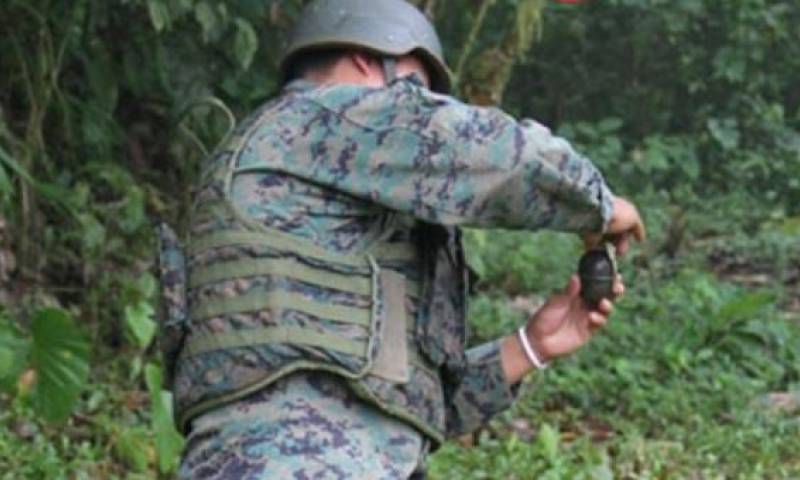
246 304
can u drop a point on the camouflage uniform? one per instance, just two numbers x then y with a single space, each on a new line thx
307 425
342 167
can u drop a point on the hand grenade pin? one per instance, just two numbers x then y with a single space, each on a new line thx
598 269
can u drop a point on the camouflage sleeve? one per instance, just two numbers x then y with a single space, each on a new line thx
478 390
480 167
434 157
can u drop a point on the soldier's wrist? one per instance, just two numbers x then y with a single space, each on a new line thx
533 352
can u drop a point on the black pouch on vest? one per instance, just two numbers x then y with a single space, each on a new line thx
442 329
173 312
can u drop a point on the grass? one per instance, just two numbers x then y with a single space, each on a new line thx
675 388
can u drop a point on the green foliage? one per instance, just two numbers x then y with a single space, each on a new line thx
512 458
13 353
133 449
168 442
514 262
140 323
139 313
59 355
671 390
698 98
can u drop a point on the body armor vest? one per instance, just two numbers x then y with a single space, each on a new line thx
246 305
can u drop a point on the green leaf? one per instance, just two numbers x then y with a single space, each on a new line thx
14 166
103 81
208 20
730 64
134 215
140 323
93 233
610 125
133 448
169 443
60 357
180 7
245 43
746 306
13 351
147 285
725 132
548 440
159 14
52 192
601 472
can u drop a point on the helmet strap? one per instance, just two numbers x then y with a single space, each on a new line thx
389 69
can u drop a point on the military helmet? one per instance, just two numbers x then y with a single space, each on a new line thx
384 27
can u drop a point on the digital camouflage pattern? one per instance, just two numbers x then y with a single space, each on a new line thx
172 272
412 151
345 170
306 426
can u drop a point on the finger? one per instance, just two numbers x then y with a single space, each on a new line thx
639 231
597 320
622 244
618 289
605 307
573 288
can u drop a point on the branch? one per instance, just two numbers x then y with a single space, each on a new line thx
469 44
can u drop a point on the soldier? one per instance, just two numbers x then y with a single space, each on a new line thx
316 328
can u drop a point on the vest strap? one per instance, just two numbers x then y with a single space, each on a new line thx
287 335
276 240
384 252
288 268
279 299
280 267
393 252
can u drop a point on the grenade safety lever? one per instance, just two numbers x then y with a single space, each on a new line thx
598 269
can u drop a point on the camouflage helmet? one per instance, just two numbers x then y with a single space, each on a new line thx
390 28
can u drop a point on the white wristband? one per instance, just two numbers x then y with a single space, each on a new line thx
529 351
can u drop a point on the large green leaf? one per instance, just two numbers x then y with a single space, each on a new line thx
169 442
60 357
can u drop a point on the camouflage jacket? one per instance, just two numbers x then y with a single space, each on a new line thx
342 166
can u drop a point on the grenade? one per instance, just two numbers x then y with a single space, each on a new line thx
597 269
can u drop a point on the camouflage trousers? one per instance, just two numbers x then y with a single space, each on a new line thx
305 426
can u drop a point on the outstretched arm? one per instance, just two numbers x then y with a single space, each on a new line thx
432 157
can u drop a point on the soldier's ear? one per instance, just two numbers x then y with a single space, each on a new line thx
366 64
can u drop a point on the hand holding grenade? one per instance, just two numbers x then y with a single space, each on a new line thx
598 269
